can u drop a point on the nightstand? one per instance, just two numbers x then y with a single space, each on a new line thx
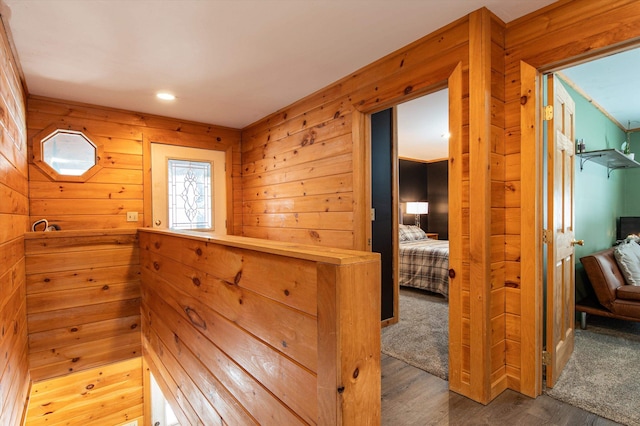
432 235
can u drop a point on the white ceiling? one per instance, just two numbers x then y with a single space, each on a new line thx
228 62
423 127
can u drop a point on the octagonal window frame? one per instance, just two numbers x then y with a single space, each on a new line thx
37 143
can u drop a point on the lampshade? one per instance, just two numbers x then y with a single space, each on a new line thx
421 207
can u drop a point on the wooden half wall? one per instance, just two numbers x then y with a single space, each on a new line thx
244 331
83 300
14 219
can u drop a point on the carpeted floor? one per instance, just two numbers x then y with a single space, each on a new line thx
421 337
603 374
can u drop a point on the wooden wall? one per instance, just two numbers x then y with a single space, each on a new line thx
305 177
107 395
124 182
487 243
83 284
304 166
546 40
241 331
14 218
83 300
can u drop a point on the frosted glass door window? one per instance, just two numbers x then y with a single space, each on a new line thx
184 195
190 194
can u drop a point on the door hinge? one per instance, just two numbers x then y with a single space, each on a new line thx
546 358
547 236
548 112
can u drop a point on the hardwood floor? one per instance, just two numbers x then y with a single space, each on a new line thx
411 396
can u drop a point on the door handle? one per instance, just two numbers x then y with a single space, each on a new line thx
158 222
577 242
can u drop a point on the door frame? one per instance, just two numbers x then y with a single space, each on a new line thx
161 153
362 121
232 227
533 276
361 129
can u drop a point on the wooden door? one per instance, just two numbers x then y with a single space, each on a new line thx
160 155
560 238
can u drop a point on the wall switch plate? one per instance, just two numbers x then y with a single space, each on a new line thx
132 216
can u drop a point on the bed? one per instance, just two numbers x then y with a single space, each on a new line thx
424 262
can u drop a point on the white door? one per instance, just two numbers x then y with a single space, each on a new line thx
188 188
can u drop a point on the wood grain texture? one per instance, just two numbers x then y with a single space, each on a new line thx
561 34
83 300
14 208
119 186
311 157
310 143
106 395
221 307
479 203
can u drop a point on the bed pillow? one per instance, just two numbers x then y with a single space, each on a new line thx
627 255
414 233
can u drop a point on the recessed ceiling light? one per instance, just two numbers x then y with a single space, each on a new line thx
165 96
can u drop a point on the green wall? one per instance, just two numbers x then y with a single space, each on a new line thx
599 200
631 182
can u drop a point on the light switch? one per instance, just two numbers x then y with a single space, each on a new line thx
132 216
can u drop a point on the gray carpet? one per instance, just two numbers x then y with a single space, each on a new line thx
603 374
421 337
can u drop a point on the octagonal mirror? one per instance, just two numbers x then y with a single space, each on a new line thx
66 154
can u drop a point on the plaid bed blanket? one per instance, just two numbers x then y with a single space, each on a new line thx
425 264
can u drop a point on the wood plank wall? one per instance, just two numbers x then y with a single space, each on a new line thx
123 184
14 218
108 395
303 171
304 177
243 331
546 40
83 282
500 244
303 166
83 300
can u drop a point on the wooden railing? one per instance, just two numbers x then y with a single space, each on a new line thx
247 331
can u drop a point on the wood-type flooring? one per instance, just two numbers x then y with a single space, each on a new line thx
412 397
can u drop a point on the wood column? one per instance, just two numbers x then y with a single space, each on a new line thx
480 203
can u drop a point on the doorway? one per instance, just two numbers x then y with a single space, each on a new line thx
188 188
410 165
603 194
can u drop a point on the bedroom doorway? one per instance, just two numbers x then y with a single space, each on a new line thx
414 137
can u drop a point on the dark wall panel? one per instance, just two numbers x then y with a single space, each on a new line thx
426 182
381 201
438 196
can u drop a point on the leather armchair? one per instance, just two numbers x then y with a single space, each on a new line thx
616 299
